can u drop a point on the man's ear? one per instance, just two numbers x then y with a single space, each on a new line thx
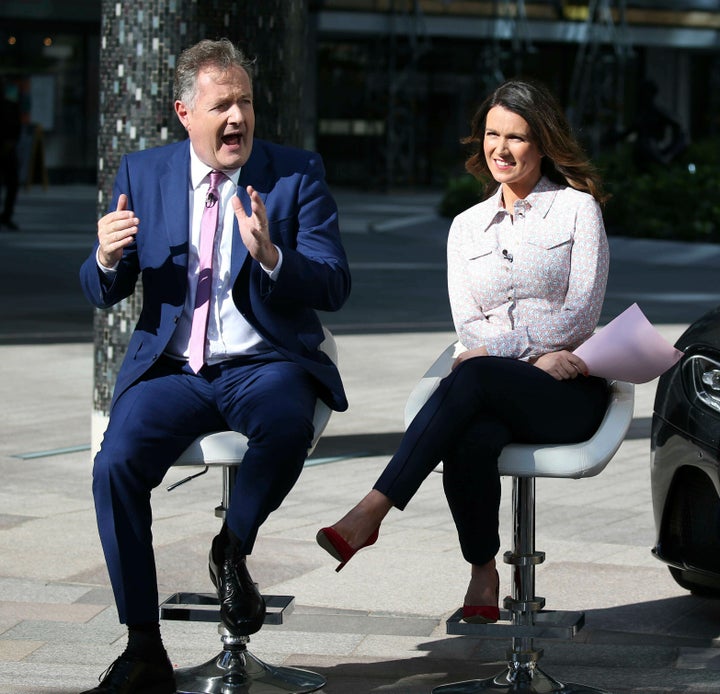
182 113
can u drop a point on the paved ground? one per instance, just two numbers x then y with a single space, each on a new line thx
378 626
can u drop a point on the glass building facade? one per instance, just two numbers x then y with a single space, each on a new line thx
392 84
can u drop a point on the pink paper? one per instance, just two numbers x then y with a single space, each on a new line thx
629 349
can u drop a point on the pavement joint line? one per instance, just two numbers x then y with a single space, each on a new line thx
86 447
398 265
53 451
310 462
667 297
391 225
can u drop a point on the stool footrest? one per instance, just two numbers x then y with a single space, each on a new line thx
527 606
549 624
531 559
205 607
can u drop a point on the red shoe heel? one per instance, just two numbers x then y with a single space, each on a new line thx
483 614
336 546
480 614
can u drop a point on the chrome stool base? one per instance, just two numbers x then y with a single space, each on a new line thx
516 682
237 671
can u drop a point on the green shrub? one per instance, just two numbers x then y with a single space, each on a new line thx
679 201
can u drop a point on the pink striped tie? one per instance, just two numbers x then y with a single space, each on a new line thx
208 226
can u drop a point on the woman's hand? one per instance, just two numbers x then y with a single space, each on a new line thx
470 354
561 365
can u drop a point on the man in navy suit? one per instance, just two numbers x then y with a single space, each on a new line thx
277 259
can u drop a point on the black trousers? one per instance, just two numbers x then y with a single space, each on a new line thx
484 404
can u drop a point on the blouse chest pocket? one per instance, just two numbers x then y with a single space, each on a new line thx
481 272
549 257
476 251
549 240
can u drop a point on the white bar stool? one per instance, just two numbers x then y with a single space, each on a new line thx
235 670
523 618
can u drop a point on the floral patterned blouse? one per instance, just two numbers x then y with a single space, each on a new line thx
533 283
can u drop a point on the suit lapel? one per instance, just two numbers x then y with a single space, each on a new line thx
174 186
256 173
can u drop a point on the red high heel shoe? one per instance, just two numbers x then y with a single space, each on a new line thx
483 614
335 545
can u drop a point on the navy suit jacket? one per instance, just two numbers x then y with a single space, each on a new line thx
303 223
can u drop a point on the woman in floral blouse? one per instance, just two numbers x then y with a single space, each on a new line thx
527 270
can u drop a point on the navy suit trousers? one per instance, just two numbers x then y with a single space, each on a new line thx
484 404
269 400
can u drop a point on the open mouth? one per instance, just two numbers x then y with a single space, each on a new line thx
232 139
502 164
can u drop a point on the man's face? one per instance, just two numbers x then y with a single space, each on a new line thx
221 122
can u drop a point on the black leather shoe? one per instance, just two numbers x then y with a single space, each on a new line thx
132 676
242 608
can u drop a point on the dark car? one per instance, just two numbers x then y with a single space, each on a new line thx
685 460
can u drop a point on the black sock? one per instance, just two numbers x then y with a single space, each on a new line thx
227 540
145 643
224 535
234 539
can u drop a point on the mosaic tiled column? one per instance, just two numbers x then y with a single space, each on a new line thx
275 31
140 41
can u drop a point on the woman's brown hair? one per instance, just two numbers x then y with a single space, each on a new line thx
564 160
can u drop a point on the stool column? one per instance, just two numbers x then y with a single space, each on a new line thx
229 475
524 604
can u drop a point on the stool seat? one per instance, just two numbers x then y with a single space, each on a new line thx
230 447
217 448
573 460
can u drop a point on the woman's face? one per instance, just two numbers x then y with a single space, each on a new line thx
513 158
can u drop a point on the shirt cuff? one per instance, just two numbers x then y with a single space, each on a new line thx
513 344
273 274
108 271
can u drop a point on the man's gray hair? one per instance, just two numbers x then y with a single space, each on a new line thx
220 55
